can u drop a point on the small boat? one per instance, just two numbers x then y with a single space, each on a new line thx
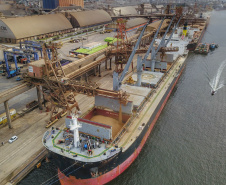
213 92
213 46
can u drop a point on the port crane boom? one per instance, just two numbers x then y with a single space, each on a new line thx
117 81
151 49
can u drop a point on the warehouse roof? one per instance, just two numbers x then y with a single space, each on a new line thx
22 27
135 22
92 17
127 10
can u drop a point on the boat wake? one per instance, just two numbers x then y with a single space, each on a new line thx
215 83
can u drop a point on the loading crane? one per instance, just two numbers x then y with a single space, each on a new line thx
140 62
36 47
33 45
28 53
60 91
154 52
11 73
117 81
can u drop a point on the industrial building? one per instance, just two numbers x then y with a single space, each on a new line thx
90 18
14 30
127 10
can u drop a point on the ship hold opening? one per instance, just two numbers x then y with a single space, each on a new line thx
105 118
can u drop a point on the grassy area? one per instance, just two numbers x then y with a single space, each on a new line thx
91 51
110 39
98 48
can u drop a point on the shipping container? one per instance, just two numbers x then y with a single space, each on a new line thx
63 3
50 4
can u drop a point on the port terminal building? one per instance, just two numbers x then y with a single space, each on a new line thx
85 19
15 30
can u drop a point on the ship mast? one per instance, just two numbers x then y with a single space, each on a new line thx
74 126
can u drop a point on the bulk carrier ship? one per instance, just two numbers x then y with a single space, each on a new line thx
99 145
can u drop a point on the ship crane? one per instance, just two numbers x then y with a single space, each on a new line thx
59 91
154 52
117 81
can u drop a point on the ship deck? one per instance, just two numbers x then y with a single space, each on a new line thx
137 94
105 152
149 78
99 153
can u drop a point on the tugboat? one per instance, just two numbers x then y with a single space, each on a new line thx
213 46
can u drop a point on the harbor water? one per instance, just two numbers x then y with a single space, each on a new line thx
188 143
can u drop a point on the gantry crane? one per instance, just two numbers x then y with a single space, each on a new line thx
36 47
16 53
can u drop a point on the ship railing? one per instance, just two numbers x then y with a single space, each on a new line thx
46 136
145 100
